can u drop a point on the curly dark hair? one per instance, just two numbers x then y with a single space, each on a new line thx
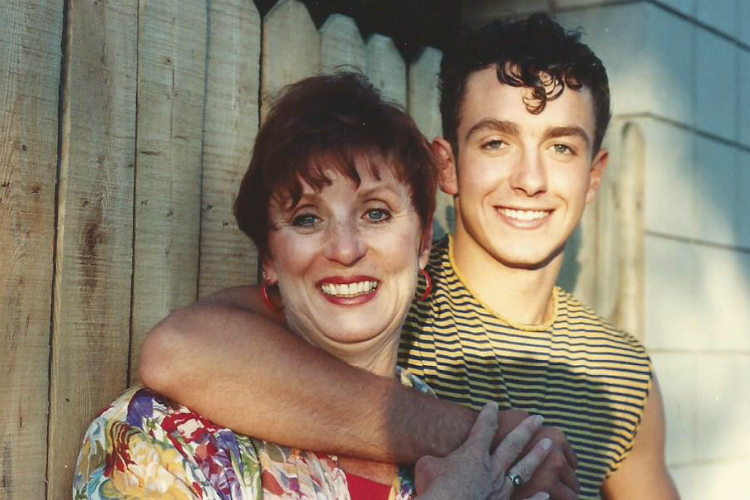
522 51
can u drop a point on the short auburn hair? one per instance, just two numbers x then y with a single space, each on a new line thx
332 122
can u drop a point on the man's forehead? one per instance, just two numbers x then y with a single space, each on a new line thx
485 96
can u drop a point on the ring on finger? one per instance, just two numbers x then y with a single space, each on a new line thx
515 479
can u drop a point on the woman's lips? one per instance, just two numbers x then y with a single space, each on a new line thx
350 290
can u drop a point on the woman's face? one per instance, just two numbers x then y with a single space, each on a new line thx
346 260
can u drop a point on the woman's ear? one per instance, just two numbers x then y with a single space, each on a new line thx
269 271
425 246
447 177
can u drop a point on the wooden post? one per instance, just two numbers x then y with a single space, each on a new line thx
424 106
30 41
227 256
91 320
629 310
341 44
291 48
386 68
171 71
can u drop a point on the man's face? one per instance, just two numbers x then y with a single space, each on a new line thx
522 180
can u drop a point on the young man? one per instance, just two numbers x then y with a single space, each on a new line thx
525 107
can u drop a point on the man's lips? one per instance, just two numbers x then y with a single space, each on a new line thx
347 286
524 215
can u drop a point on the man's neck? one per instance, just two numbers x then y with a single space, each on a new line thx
518 295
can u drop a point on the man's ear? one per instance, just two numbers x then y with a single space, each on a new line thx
598 167
446 166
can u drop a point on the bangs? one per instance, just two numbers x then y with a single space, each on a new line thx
313 166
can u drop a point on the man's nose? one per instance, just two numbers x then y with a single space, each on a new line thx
529 175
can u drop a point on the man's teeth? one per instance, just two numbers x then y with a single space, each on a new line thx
524 214
349 289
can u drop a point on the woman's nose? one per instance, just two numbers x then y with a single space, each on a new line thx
345 243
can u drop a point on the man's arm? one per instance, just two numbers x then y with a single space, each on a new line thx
644 472
233 361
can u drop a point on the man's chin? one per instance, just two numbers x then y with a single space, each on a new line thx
528 261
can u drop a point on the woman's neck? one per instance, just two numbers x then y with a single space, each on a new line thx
376 355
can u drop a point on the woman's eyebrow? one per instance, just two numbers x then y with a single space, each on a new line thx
504 126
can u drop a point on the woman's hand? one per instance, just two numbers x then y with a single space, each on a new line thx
473 473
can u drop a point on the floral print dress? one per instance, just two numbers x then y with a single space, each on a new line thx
145 446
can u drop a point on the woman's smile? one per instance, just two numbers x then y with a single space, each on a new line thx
341 290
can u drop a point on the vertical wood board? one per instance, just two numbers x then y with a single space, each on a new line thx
386 68
291 49
227 257
171 70
341 45
629 309
424 107
95 227
30 41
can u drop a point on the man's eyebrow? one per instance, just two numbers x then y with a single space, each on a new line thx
555 132
491 124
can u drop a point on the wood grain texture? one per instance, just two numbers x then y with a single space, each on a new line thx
424 107
30 41
291 48
386 68
341 45
91 320
227 256
171 71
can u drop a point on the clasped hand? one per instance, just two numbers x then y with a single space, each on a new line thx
474 471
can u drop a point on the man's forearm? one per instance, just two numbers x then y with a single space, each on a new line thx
239 369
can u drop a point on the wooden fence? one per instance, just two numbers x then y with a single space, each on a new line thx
126 127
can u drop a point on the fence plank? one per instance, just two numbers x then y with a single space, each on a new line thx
291 48
30 36
424 106
171 70
341 44
95 227
386 68
227 257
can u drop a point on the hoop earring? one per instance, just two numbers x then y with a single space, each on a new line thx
428 279
266 299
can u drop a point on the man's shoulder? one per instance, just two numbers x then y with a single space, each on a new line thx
579 316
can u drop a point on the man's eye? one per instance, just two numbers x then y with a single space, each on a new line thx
562 149
305 220
494 144
378 215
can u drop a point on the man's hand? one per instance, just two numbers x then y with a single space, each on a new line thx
473 473
556 475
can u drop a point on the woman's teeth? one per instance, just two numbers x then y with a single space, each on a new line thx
350 289
524 214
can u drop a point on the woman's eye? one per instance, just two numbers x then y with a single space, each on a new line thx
378 215
305 220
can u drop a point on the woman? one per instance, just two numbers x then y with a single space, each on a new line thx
338 198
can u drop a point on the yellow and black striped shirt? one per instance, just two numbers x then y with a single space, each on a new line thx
578 371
